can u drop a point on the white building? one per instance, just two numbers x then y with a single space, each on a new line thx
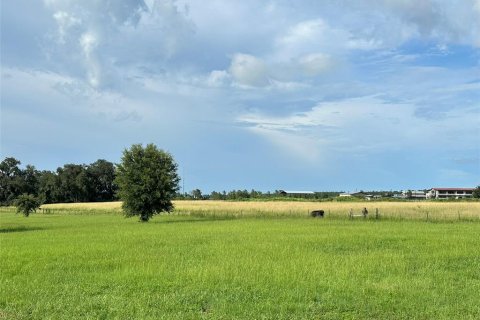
413 194
450 193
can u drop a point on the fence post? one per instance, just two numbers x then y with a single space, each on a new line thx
427 215
376 214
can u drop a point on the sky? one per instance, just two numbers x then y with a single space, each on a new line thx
332 95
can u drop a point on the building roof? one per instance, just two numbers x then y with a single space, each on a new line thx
453 189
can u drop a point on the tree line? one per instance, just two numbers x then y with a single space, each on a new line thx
146 180
197 194
70 183
96 182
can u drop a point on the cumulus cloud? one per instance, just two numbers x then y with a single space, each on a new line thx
114 36
315 64
248 70
218 78
313 78
309 36
440 19
136 37
394 22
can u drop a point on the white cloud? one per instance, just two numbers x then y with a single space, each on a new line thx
89 42
315 64
248 70
308 37
65 21
136 36
218 78
397 21
291 73
110 37
62 94
363 126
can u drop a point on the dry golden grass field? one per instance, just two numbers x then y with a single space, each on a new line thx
435 210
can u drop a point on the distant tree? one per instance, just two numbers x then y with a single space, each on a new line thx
99 181
27 203
148 181
49 187
197 194
218 195
10 180
255 194
476 192
72 183
30 180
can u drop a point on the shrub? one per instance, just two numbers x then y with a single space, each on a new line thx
26 204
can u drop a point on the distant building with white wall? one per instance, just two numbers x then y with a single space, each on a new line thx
450 193
413 194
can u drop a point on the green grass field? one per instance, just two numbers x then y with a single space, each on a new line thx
103 266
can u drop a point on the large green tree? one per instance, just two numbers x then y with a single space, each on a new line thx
147 180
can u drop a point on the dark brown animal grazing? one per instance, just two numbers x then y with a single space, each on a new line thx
317 213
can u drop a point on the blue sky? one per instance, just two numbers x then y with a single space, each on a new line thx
310 95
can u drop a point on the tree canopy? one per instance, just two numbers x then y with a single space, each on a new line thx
148 181
70 183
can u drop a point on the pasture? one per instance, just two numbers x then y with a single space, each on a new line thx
224 260
416 210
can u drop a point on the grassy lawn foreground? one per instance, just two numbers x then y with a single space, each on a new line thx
104 266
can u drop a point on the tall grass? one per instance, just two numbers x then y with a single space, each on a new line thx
421 210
